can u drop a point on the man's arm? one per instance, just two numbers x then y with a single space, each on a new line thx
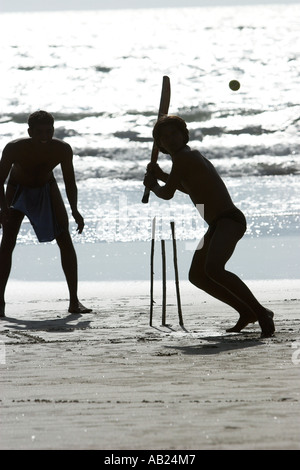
6 163
70 185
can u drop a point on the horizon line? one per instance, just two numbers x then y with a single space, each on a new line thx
145 7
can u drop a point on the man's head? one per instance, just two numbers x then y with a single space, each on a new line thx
41 126
170 128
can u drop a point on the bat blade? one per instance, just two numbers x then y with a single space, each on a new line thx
164 104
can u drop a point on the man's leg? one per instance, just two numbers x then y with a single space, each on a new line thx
200 279
69 265
221 247
9 236
67 251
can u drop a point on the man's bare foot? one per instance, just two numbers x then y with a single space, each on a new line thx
78 308
242 322
266 323
2 310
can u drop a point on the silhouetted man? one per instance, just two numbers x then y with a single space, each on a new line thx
32 191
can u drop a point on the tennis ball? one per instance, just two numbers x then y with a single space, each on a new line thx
234 85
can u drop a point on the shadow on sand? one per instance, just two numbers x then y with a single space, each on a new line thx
218 344
61 324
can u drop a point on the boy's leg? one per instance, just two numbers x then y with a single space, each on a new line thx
67 251
220 249
200 279
9 236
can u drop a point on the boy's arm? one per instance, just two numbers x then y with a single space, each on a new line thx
71 187
168 190
155 169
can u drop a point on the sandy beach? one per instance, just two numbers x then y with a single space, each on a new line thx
108 380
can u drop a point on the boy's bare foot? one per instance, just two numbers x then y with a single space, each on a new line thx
266 323
242 322
78 308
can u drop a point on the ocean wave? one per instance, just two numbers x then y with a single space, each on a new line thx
219 131
195 114
131 167
103 69
258 166
199 118
124 153
216 131
30 68
21 117
247 151
132 136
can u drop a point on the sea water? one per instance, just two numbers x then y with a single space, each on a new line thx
100 73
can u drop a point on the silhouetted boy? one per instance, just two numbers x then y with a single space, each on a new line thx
193 174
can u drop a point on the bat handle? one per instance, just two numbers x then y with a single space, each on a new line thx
146 196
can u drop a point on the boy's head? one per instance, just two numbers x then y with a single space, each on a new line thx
173 121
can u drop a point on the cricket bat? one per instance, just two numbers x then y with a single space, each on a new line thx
163 109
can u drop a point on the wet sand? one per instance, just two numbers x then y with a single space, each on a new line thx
108 380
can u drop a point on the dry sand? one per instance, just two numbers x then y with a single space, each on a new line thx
109 381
